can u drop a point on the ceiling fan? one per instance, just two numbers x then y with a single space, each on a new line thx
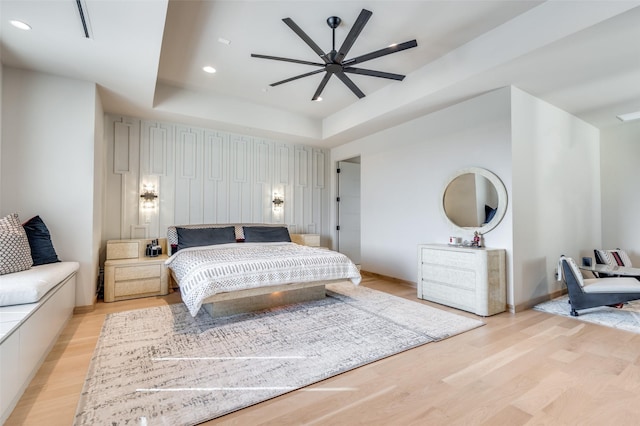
334 61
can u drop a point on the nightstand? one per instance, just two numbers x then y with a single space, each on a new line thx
311 240
129 274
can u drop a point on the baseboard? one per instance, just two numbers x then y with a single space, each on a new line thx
533 302
85 309
388 278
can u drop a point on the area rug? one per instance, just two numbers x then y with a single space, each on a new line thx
163 366
626 318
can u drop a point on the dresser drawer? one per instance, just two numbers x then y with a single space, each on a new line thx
462 298
452 259
444 275
131 288
123 273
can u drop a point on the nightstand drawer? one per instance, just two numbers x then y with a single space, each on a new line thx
132 288
122 250
123 273
311 240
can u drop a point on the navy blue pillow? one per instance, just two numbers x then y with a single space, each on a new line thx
195 237
489 212
266 234
42 250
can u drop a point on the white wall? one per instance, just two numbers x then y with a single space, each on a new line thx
208 176
99 180
547 159
404 172
619 162
556 193
48 161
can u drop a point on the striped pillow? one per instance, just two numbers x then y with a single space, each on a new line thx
614 257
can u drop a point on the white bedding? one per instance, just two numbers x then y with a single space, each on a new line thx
204 271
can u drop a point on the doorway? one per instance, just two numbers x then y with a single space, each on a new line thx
348 209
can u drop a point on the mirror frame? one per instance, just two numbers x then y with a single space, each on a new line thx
502 200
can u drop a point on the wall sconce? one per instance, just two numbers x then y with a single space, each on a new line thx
278 201
148 196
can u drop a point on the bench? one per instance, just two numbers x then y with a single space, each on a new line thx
35 305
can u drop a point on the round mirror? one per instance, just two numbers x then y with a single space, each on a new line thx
474 199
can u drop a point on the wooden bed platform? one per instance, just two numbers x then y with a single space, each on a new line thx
257 299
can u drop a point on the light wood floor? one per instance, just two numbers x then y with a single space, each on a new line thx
529 368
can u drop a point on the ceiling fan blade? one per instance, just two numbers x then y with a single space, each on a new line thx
373 73
320 88
381 52
296 29
278 58
350 84
296 77
357 27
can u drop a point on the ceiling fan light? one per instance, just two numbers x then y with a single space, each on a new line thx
629 117
209 69
20 25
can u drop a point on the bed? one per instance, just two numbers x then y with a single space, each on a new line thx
233 268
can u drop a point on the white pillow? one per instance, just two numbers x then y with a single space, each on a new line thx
15 253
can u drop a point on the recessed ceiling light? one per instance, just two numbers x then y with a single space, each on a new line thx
209 69
630 116
21 25
224 41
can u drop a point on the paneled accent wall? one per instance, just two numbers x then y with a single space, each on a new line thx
208 176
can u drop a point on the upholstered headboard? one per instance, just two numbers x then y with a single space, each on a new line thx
172 234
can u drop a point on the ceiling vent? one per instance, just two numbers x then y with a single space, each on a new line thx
84 18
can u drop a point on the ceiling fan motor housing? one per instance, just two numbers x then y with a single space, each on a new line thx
333 22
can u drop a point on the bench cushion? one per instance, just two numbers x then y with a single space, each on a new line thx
30 285
611 285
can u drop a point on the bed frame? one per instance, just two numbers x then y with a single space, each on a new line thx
257 299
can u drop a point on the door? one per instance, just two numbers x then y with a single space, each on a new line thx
348 229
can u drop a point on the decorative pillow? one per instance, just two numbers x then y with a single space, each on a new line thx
266 234
15 254
172 231
195 237
489 213
613 257
42 250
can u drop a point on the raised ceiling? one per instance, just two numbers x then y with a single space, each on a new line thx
147 58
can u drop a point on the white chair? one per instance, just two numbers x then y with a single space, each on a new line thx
592 292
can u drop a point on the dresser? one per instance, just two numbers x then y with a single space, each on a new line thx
129 274
471 279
